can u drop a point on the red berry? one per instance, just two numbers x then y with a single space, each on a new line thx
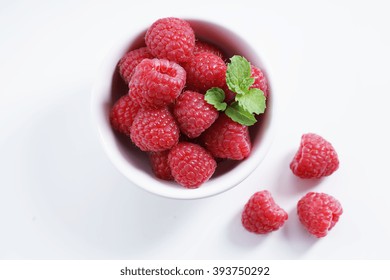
262 215
191 165
160 167
204 71
260 80
122 114
157 82
227 139
171 38
154 130
315 158
201 46
319 212
193 114
130 60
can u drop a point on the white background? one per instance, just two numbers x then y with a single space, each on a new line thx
61 198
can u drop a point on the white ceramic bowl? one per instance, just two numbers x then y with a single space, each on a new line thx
133 163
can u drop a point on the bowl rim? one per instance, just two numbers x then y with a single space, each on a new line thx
98 107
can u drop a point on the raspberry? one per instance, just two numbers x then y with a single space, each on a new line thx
201 46
315 158
227 139
130 60
157 82
260 80
171 38
262 215
160 167
191 165
154 130
193 113
204 71
122 114
319 212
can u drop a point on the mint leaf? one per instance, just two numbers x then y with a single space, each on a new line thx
248 101
253 101
215 96
240 115
238 74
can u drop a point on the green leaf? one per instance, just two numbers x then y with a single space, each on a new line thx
240 115
253 101
238 74
215 96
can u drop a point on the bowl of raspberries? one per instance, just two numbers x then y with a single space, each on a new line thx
184 108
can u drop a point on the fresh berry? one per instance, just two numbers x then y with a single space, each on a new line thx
193 114
130 60
227 139
191 165
157 82
122 114
160 167
201 46
262 215
154 130
171 38
319 212
204 71
260 80
315 158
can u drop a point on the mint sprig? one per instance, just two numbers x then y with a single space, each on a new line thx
248 101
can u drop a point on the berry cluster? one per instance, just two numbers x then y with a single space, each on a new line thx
318 212
172 111
189 109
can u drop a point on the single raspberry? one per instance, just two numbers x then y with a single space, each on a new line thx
130 60
157 82
122 114
154 130
315 158
201 46
204 71
191 165
227 139
160 167
171 38
262 215
260 80
319 212
193 114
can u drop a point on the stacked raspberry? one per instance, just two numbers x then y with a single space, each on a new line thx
165 112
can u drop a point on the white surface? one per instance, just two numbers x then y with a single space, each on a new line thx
60 197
